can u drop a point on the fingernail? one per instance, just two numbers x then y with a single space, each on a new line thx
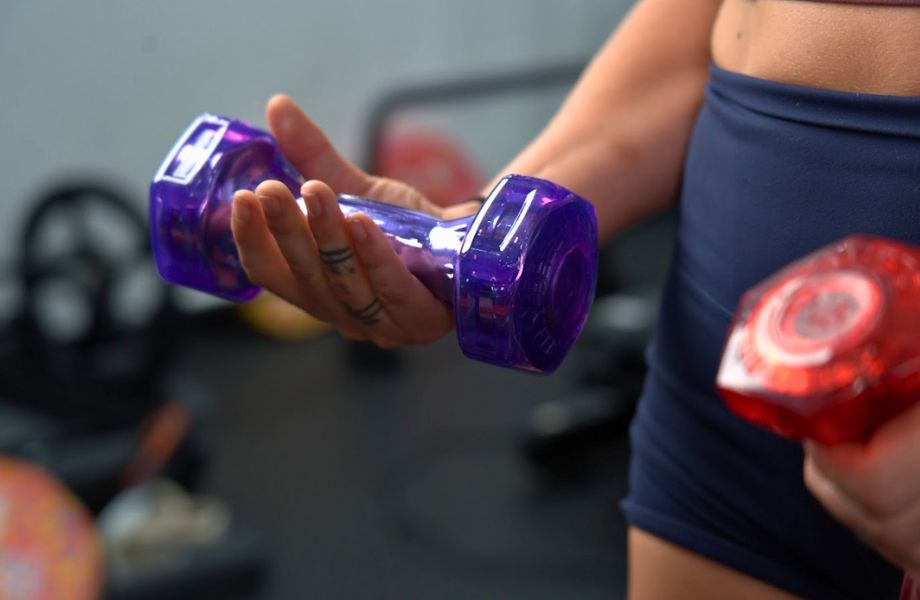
241 211
358 232
314 206
270 206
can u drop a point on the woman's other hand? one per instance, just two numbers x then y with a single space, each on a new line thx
874 488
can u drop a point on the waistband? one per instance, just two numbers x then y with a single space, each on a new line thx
773 172
853 111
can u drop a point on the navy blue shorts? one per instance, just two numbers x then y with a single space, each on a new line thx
773 171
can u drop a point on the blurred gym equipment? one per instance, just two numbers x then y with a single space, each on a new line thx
83 385
270 315
610 355
93 323
83 357
430 161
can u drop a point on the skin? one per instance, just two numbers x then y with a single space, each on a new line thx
874 488
856 48
619 139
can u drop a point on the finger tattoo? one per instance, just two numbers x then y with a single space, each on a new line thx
337 261
368 314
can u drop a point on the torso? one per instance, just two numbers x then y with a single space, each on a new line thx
849 47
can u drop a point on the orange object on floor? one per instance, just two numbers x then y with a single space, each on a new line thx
49 549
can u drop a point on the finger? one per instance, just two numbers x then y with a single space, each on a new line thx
259 254
836 501
410 305
308 148
288 225
896 537
344 276
899 536
266 266
880 474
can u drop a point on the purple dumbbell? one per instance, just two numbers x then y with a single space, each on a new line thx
520 273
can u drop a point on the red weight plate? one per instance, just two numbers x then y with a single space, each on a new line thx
431 162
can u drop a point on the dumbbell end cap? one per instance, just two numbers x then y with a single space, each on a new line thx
525 282
825 348
190 203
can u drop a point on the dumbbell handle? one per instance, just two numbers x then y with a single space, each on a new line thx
427 246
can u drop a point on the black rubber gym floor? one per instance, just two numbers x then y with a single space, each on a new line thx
405 478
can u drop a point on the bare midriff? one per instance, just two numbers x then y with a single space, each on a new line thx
850 47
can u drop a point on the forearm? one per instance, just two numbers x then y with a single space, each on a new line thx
620 137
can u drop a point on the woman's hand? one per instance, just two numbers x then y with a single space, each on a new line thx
340 270
874 488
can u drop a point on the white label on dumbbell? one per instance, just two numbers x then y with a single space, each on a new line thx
192 150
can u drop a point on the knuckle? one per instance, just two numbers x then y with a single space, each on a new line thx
877 503
341 290
389 293
305 273
881 534
339 265
281 226
875 494
376 253
371 259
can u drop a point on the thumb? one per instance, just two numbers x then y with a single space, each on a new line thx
309 150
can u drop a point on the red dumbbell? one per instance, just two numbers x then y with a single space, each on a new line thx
829 347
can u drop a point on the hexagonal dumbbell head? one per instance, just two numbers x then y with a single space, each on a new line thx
828 348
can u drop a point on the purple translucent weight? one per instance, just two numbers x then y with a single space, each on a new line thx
520 274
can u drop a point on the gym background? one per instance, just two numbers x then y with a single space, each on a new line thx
220 451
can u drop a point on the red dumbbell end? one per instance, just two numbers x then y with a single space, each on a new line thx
829 347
